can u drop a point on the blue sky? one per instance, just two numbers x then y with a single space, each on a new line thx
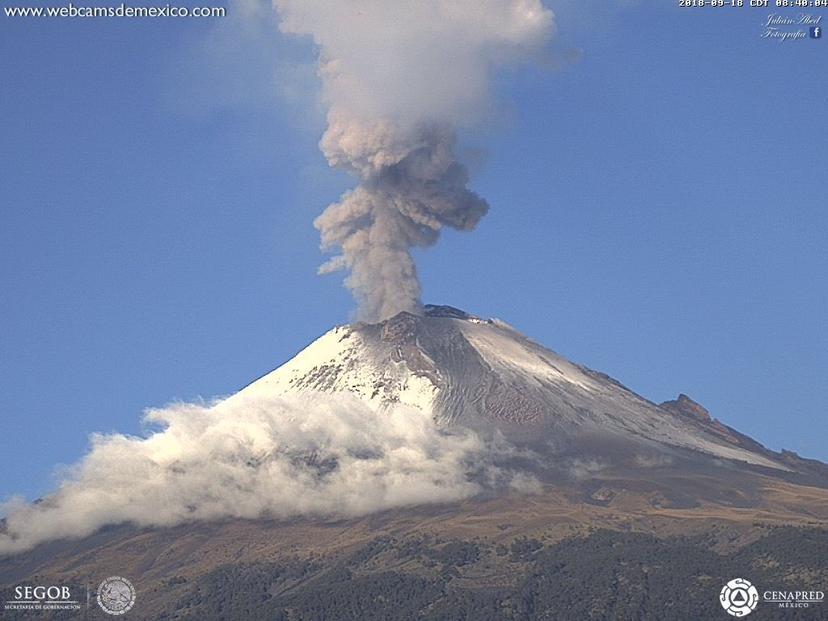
658 213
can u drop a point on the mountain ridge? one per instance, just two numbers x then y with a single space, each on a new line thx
484 374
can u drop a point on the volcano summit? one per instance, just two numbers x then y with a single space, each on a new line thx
485 375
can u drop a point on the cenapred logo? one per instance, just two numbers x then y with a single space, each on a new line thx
739 597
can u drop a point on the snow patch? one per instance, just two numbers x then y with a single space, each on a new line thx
502 347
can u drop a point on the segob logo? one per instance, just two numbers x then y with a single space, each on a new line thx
40 597
116 595
739 597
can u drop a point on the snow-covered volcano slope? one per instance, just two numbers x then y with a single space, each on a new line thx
483 373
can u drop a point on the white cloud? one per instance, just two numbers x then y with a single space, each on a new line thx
246 458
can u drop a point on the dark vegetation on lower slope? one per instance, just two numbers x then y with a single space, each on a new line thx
606 575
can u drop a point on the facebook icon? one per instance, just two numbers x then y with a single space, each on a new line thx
816 32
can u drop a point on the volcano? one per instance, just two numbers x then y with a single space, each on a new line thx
624 488
485 375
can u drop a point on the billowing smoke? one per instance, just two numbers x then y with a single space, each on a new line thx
399 78
309 455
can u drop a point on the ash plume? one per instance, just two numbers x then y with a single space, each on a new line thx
399 79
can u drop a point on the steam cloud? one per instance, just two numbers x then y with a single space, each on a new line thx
399 78
313 454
